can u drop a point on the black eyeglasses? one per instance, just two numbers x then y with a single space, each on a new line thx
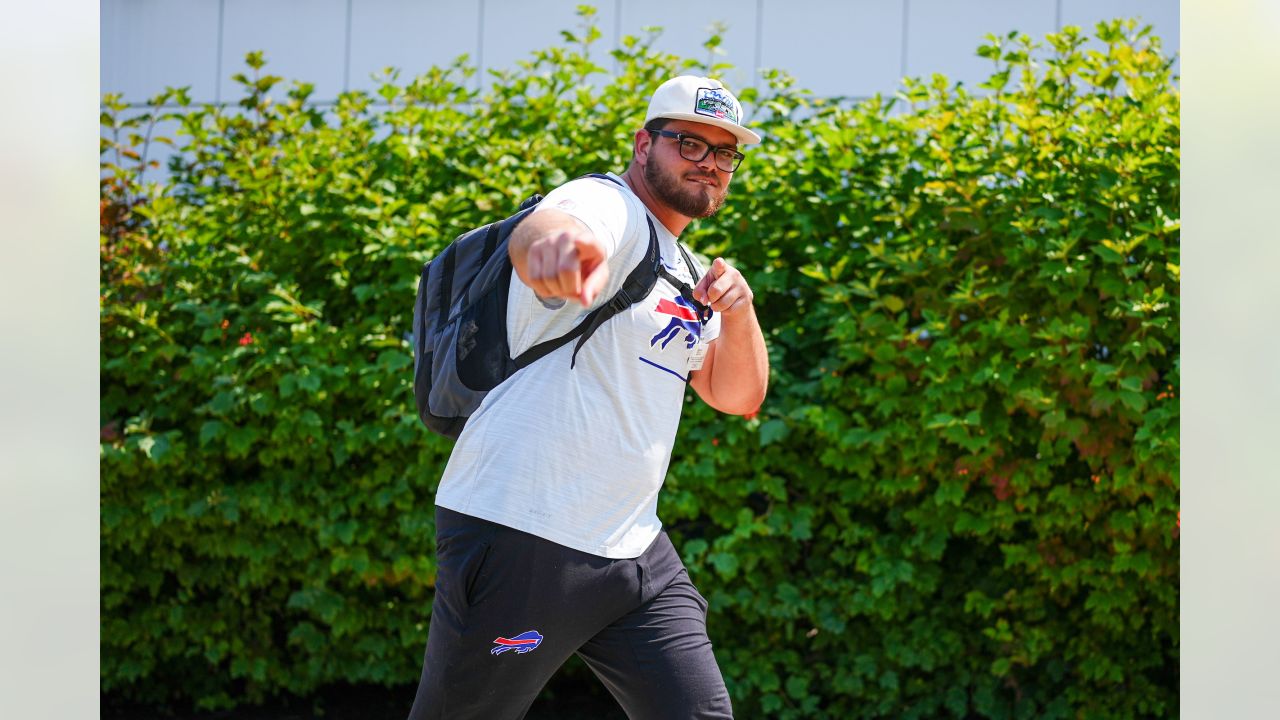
695 149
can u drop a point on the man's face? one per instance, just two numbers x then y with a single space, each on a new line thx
693 189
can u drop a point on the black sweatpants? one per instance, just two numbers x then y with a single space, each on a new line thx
511 607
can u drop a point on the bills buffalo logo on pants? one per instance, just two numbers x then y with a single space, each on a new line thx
683 318
524 642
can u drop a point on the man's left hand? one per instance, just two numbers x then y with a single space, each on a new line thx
724 289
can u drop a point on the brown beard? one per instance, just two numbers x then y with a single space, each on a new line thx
672 191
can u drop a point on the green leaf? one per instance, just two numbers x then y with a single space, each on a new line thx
772 431
241 439
155 447
1132 400
725 564
1107 254
211 430
222 402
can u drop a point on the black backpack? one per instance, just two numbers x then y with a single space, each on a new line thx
460 349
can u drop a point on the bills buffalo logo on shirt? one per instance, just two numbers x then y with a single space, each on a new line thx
527 641
684 317
683 328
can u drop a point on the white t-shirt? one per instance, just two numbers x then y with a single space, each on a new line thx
577 456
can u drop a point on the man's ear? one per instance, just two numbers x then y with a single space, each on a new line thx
640 148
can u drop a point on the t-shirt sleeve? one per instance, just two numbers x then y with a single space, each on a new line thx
598 204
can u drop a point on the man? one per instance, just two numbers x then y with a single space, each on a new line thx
547 535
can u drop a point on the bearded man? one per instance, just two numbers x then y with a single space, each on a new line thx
547 534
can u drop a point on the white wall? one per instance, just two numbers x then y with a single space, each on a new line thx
853 48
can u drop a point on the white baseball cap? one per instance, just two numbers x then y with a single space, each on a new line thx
699 99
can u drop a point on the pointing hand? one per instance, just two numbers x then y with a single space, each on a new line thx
569 264
724 289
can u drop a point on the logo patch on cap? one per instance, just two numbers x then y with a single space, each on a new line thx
716 103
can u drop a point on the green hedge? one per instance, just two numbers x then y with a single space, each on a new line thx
959 500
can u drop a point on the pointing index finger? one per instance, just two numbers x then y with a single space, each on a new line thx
713 273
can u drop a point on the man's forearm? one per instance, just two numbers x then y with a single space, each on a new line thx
740 372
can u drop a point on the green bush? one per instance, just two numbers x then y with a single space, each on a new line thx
960 498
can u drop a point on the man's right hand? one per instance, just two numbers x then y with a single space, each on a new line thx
557 257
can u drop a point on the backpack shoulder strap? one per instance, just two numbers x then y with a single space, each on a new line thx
635 288
686 292
688 261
